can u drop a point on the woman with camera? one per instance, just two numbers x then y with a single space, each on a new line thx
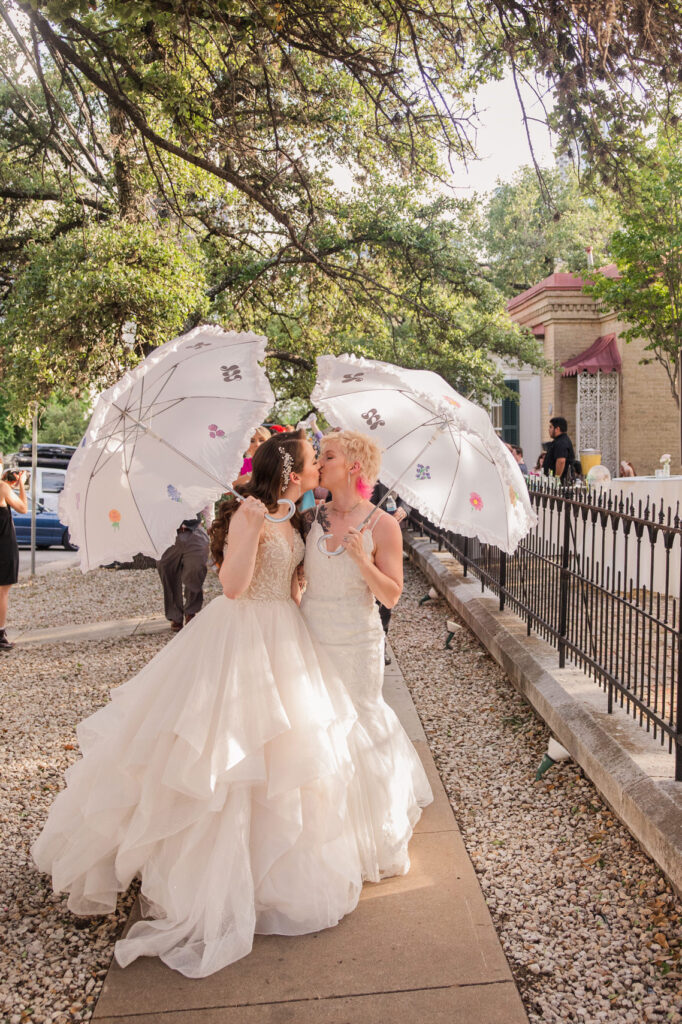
9 550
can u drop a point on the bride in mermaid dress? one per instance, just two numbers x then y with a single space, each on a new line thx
220 773
390 786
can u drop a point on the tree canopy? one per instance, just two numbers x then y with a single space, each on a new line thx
169 160
524 240
647 249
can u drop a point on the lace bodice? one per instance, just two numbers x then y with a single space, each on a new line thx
342 615
275 564
334 579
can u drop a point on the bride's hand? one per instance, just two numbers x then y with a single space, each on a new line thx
253 512
352 542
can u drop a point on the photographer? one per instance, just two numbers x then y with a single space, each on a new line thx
10 481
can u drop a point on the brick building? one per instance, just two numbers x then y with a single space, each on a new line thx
610 401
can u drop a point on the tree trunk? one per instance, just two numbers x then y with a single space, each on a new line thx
125 186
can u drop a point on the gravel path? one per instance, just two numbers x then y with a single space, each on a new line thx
51 967
590 926
52 964
591 929
71 598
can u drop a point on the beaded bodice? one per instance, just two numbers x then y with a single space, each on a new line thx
275 564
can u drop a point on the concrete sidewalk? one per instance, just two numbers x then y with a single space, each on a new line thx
418 948
105 630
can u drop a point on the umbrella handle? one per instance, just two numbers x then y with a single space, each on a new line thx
322 546
289 513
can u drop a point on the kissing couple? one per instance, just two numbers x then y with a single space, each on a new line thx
251 775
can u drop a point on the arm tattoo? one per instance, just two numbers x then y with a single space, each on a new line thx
323 519
306 521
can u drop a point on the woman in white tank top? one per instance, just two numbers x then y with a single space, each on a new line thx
339 605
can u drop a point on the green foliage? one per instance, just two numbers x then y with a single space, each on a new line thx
421 300
647 250
524 239
188 170
12 434
64 422
66 320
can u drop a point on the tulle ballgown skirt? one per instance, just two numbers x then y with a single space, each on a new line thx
220 775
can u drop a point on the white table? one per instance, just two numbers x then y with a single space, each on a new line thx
658 492
657 489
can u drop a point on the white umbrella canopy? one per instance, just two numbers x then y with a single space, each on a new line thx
440 451
163 442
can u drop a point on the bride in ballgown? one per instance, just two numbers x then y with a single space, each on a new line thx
390 786
220 773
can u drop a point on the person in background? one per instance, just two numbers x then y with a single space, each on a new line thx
9 549
259 435
517 452
539 463
560 454
627 469
399 510
182 568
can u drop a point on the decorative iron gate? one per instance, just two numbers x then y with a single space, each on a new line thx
597 416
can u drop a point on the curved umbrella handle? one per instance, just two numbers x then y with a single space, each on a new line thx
289 513
322 546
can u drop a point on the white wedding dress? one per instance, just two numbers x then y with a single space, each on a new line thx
220 775
390 786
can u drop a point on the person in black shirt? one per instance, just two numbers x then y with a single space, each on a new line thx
183 566
9 551
560 454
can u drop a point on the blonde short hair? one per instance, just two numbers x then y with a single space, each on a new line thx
360 448
262 433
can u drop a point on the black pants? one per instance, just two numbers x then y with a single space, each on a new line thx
384 615
183 566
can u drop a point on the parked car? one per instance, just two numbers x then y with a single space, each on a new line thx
49 530
57 456
53 461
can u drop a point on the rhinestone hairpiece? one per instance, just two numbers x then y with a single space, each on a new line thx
287 466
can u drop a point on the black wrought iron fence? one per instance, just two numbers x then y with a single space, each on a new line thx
600 578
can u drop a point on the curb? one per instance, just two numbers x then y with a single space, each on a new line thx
631 771
104 630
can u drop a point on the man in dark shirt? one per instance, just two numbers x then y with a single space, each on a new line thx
560 454
182 566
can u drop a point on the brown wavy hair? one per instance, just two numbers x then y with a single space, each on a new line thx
265 484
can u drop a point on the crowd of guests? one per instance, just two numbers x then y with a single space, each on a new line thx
558 458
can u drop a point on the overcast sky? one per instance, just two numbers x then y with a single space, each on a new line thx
501 139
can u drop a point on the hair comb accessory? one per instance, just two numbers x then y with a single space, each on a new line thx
287 465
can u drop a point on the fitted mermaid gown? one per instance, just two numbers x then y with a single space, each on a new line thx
390 786
220 775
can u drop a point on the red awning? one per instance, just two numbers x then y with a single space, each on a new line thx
602 355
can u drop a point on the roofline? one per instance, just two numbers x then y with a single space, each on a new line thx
566 282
